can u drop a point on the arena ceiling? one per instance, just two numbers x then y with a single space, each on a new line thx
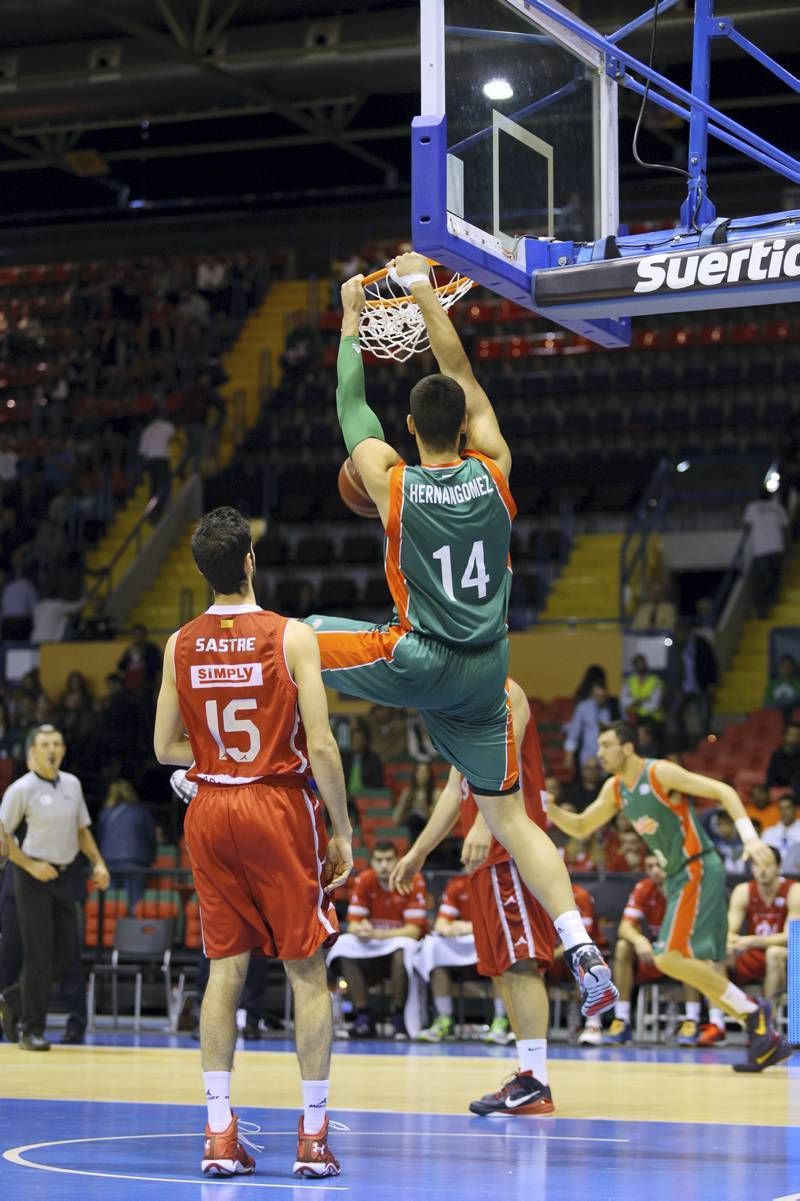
125 109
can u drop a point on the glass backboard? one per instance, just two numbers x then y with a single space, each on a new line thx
531 150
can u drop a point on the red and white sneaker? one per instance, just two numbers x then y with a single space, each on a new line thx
224 1155
711 1034
314 1156
593 977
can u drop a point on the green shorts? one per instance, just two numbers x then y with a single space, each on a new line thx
696 921
461 693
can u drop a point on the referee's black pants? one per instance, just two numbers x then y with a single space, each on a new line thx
48 922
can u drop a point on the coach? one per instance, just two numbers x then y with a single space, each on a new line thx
47 872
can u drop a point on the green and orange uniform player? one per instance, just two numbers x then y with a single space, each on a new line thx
655 794
447 522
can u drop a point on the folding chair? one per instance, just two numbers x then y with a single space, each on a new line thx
141 945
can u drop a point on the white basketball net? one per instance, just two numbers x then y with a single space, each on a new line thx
392 325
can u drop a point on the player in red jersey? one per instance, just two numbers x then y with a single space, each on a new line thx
383 924
242 704
514 936
763 906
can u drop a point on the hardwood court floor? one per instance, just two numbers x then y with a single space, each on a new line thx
122 1119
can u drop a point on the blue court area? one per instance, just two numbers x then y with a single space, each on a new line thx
67 1150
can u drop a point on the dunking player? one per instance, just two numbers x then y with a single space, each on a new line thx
448 527
654 794
246 687
514 937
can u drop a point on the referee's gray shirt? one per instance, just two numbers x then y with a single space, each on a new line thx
55 812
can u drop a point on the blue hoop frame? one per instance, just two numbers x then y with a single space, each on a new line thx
698 218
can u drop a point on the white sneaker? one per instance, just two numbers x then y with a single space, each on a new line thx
591 1036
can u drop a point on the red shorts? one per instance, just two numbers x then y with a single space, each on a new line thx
508 922
647 973
750 967
256 852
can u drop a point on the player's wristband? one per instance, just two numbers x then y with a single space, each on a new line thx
408 281
745 829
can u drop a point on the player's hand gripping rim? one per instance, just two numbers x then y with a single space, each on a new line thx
338 862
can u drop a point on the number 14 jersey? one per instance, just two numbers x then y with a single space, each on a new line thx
237 698
448 535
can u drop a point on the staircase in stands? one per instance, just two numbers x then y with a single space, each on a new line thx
588 586
743 684
159 607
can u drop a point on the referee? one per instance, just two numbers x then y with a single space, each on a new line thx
47 872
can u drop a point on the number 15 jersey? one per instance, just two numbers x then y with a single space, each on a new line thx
447 549
237 699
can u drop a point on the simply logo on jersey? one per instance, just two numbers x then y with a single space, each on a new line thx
226 675
720 267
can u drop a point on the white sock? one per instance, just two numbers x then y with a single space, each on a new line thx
218 1100
533 1057
738 1000
693 1011
593 1023
622 1010
499 1007
443 1006
315 1105
717 1017
570 929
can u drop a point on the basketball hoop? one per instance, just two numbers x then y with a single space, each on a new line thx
392 325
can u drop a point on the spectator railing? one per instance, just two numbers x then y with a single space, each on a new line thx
647 521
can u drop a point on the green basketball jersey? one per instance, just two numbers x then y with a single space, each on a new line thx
669 826
447 549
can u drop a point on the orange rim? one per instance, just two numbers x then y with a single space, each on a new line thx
380 302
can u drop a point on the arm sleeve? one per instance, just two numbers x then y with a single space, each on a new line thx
11 810
84 821
357 420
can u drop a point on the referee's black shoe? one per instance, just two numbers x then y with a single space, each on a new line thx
10 1013
33 1042
74 1035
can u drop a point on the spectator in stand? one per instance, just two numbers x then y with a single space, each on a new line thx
415 802
693 677
581 791
785 836
583 728
118 728
127 839
140 664
75 710
18 602
388 732
376 917
783 689
762 811
154 450
198 400
649 738
51 618
633 955
767 523
594 674
723 834
362 767
783 770
643 694
11 740
632 852
655 612
420 747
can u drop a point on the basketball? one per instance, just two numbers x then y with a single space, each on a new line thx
353 492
